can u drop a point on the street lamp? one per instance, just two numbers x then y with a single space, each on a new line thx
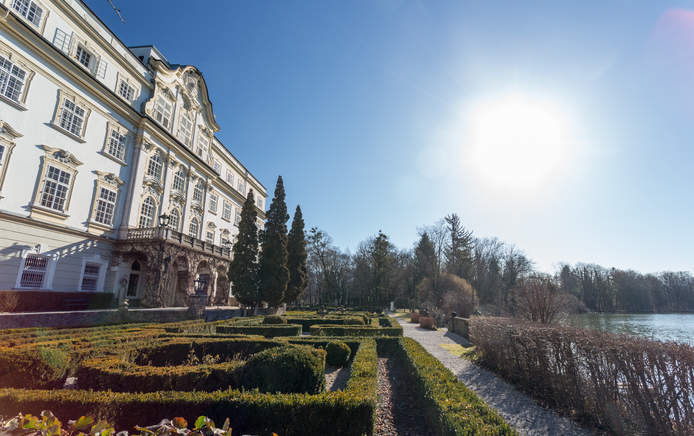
164 220
200 285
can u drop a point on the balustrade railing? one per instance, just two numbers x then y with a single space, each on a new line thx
167 234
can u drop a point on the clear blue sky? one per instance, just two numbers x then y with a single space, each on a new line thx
365 109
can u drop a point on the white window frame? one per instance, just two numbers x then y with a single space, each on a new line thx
203 146
185 129
217 166
163 110
54 189
28 13
80 52
126 91
176 226
198 192
195 221
64 100
100 277
227 210
117 138
208 239
8 136
49 272
141 218
155 166
213 200
109 203
179 180
62 161
13 62
109 182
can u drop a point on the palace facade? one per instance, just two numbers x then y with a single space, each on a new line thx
100 145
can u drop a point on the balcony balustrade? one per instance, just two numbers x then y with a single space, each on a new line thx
169 235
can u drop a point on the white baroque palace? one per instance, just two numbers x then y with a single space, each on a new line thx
97 142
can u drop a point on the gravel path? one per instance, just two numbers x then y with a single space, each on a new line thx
336 378
396 414
519 410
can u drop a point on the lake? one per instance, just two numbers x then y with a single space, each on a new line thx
676 327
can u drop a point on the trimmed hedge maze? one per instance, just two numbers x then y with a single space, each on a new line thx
248 369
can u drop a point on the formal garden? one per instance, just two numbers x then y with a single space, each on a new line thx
300 373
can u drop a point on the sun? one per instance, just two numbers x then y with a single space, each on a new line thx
516 142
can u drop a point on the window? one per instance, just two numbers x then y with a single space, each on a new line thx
105 206
126 91
90 276
213 202
193 228
116 144
259 203
209 236
226 211
11 79
185 130
83 56
230 177
133 280
217 166
162 111
29 10
147 212
72 117
175 219
179 180
154 167
240 186
197 192
55 189
203 146
237 218
33 271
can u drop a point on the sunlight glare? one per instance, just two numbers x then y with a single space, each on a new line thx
516 142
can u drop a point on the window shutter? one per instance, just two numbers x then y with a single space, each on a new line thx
62 41
101 70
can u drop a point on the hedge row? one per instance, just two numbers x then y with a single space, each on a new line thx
327 330
350 412
627 384
267 330
449 407
307 322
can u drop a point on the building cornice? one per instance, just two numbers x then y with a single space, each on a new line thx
43 49
103 43
52 226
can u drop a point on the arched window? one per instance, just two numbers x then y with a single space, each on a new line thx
175 219
154 167
197 192
147 212
179 180
193 228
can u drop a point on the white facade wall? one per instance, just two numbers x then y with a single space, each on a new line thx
29 128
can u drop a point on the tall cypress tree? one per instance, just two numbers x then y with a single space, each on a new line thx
243 270
296 258
274 274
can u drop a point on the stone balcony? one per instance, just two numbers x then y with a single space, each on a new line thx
165 234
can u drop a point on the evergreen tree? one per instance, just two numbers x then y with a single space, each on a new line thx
296 258
243 270
458 252
274 274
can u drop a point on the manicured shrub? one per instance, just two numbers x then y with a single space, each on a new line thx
274 319
448 406
328 330
427 322
338 353
35 367
286 369
267 330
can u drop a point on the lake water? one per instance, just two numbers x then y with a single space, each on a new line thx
663 327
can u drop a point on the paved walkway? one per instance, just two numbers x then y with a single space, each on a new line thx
519 410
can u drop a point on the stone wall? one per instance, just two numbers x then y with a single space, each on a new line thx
460 326
88 318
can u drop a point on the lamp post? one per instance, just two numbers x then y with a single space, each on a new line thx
164 220
200 286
